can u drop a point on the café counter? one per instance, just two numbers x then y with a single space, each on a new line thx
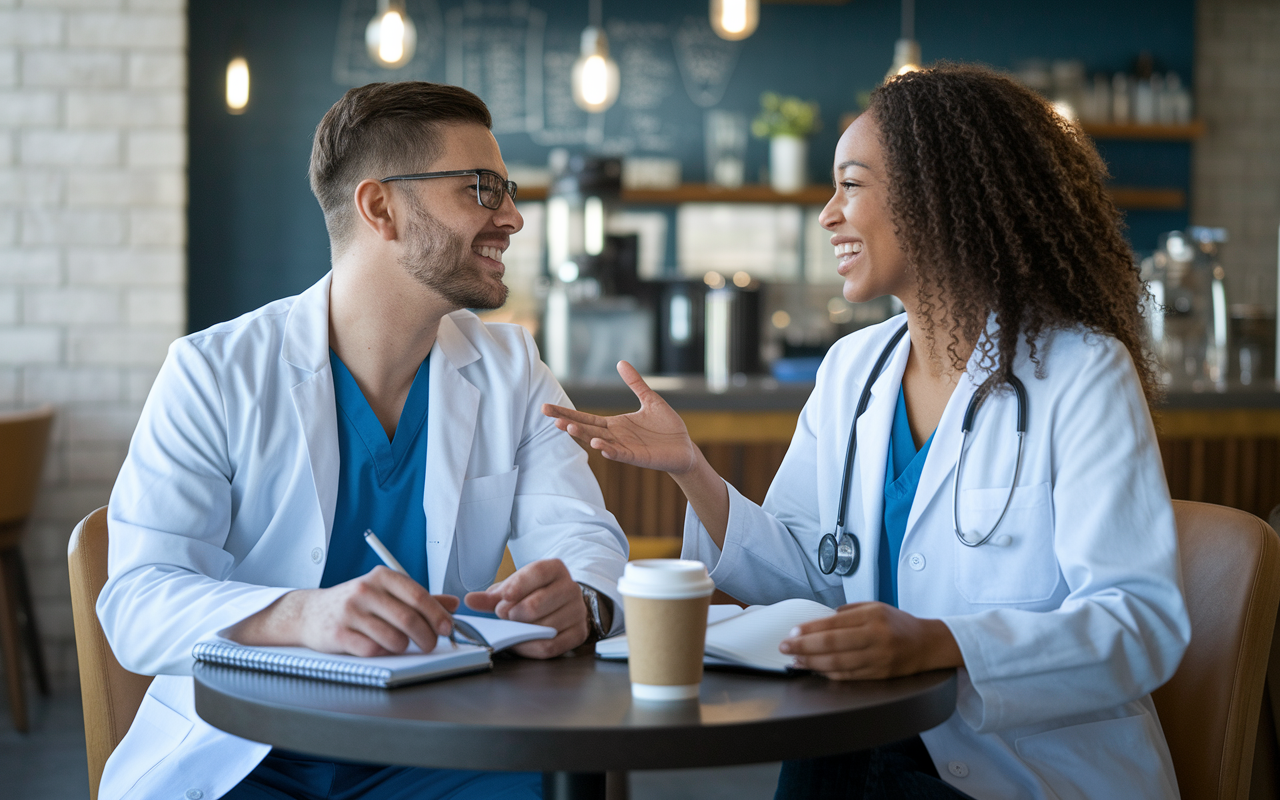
1218 447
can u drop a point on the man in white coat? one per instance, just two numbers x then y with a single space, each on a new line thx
371 400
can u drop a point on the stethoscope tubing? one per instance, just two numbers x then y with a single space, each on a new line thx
842 550
965 428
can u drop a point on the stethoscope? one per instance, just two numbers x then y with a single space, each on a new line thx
840 552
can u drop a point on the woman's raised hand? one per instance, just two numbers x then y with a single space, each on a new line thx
653 437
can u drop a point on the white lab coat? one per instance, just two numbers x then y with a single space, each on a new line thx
1066 628
226 502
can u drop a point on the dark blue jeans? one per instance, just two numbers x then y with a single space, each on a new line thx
283 775
898 771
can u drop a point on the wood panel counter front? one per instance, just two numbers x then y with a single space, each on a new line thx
1217 447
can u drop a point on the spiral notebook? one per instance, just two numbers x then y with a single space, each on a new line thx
412 666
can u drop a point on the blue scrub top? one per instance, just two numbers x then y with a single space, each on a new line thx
380 482
901 479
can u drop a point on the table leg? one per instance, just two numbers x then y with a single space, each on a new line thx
617 786
573 786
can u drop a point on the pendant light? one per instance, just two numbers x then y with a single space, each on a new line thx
906 51
735 19
391 36
237 85
595 75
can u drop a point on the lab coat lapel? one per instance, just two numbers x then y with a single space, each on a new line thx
943 454
306 348
873 446
453 409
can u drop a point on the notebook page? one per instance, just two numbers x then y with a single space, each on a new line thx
751 639
615 647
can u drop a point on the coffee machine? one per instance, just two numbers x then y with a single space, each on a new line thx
596 313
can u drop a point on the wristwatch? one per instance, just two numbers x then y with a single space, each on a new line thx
599 612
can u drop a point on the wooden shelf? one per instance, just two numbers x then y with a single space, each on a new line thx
818 195
1148 199
1171 133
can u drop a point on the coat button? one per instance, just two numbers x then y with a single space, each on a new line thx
194 794
915 561
316 555
958 768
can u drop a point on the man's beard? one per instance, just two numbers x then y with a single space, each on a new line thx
442 261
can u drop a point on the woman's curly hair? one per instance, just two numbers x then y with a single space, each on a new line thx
1000 208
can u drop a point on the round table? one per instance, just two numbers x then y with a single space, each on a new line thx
571 718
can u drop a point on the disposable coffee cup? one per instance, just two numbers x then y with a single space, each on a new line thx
666 602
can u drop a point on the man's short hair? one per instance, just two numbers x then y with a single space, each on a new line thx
380 130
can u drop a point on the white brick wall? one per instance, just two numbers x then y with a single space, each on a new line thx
1237 163
92 247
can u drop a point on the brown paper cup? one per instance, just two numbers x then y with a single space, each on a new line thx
665 639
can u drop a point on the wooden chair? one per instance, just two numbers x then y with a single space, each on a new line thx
24 438
111 693
1210 708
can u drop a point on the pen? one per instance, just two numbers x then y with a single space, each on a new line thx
391 562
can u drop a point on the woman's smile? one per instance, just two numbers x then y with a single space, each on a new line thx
847 252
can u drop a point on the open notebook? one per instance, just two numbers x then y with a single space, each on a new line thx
411 666
741 637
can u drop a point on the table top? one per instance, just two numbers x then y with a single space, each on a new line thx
572 714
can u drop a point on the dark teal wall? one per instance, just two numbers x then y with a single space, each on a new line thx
256 233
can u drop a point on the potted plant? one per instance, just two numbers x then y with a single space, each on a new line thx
786 121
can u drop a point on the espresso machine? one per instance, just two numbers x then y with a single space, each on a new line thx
596 313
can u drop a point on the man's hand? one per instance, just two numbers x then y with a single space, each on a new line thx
872 640
541 593
376 614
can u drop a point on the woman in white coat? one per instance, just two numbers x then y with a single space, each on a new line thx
1048 574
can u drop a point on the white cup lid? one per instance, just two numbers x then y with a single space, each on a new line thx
666 579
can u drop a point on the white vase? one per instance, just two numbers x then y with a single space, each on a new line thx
787 159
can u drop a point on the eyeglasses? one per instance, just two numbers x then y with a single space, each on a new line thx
490 186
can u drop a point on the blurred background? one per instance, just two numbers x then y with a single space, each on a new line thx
672 159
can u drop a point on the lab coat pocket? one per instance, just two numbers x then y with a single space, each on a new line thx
156 732
484 518
1018 563
1089 760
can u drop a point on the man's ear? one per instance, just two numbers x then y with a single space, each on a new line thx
374 208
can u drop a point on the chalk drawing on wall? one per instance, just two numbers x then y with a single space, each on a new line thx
706 61
352 65
648 81
490 49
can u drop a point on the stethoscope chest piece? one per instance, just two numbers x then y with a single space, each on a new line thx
840 556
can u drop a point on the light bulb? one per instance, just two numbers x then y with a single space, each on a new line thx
735 19
906 57
237 85
391 36
595 75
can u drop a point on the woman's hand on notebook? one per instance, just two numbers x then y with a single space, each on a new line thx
872 640
376 614
540 593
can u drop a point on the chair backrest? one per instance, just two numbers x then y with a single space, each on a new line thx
111 693
1209 709
24 436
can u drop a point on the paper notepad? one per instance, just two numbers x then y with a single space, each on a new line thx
741 637
411 666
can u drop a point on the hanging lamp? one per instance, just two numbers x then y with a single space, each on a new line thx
391 35
595 74
906 51
735 19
